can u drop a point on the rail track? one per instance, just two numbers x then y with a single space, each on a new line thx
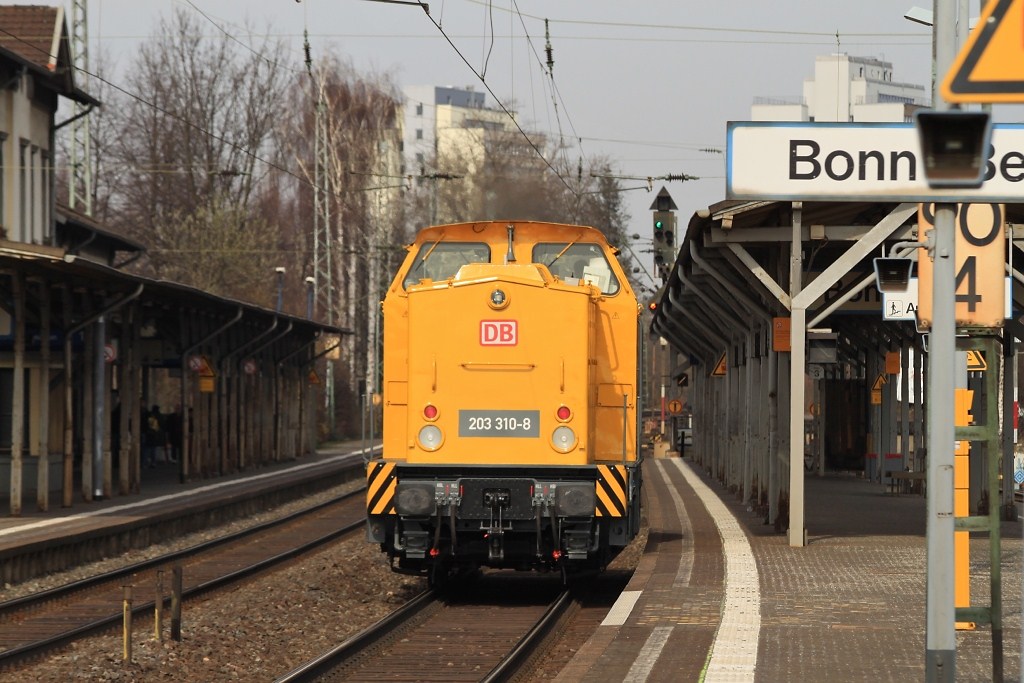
486 632
36 624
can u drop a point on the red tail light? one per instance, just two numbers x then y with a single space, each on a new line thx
434 552
563 413
556 555
430 411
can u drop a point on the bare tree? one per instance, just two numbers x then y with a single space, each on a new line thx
503 176
193 138
499 175
105 129
363 196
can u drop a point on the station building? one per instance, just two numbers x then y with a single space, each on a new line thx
81 339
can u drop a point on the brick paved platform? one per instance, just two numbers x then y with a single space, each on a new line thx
40 542
850 606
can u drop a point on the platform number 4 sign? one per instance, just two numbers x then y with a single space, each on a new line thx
980 265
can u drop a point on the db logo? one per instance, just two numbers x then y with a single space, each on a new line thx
499 332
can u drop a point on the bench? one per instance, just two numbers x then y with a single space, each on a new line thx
905 482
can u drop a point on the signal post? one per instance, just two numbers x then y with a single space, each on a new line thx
664 234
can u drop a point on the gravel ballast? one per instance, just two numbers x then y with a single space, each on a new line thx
254 632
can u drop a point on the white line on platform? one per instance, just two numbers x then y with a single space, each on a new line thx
686 531
734 651
648 657
620 611
171 496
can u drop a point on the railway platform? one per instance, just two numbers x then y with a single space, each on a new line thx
720 596
717 594
40 542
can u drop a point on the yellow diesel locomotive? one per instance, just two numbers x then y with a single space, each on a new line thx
511 389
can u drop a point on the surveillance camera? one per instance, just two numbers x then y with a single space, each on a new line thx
892 274
954 145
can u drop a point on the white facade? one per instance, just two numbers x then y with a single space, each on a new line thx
847 89
444 121
26 157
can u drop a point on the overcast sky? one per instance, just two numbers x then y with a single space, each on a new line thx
649 83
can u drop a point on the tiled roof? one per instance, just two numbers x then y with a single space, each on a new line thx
32 32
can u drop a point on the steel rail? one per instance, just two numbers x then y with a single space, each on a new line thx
320 666
317 667
508 667
34 600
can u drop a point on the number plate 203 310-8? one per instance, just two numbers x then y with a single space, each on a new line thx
516 423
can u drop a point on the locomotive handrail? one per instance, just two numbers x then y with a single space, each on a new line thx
498 366
625 426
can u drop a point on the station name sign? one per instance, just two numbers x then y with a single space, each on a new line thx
797 161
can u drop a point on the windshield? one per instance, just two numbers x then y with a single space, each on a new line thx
580 260
442 260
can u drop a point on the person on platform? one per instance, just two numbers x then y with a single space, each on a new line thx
152 436
172 427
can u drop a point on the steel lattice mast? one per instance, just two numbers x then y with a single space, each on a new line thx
80 180
323 278
322 273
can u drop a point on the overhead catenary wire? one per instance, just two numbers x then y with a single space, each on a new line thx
826 40
490 48
898 37
501 104
219 138
556 95
267 60
694 27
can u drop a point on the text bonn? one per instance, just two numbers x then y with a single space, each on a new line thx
807 161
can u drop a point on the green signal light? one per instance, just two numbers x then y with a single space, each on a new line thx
658 225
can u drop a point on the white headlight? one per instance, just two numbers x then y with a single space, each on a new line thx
430 438
563 439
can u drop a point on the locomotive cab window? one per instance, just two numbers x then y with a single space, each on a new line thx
442 260
580 260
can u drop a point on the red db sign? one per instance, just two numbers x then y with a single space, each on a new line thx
499 332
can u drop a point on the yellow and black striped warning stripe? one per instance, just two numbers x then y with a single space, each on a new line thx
381 482
612 491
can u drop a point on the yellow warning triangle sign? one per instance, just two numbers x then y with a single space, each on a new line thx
720 368
976 361
990 66
879 383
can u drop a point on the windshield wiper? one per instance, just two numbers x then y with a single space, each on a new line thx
561 253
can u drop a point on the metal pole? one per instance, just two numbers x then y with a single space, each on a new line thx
940 638
309 296
18 392
993 454
126 626
176 603
661 427
280 287
99 408
940 656
797 372
773 434
158 606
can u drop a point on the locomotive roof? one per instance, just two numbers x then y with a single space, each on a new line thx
474 227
